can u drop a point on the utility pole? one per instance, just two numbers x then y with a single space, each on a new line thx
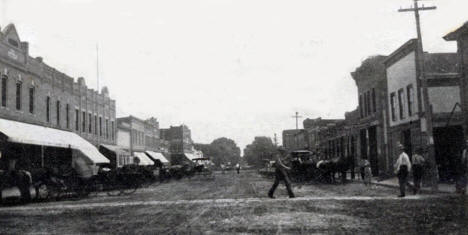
426 115
297 120
276 140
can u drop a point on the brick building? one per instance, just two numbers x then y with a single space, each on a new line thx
290 141
312 129
370 79
33 92
179 139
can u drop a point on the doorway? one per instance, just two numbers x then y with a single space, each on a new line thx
448 145
373 155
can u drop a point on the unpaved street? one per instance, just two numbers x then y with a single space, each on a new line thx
234 203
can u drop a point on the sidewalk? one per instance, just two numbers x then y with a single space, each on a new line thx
393 182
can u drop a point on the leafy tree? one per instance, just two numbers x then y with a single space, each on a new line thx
262 148
221 151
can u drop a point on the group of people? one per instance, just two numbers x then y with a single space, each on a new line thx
403 166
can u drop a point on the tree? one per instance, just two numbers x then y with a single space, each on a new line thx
262 148
221 151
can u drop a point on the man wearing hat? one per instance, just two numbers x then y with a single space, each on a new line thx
402 168
418 169
281 173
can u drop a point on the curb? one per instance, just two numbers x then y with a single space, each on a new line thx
424 190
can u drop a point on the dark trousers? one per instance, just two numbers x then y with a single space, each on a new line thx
280 175
417 176
403 179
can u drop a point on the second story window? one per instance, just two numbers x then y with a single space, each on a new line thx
392 105
107 128
100 126
19 86
95 125
77 120
112 130
67 114
90 123
58 112
374 105
409 93
361 106
31 99
369 110
48 109
4 90
401 103
84 122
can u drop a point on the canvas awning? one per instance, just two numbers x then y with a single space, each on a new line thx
190 156
144 160
115 148
157 156
19 132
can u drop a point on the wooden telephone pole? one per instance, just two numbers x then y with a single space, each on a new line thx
426 115
297 120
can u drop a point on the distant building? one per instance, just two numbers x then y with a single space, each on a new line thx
312 129
290 140
138 135
33 92
179 139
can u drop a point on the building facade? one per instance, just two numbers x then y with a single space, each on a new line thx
33 92
407 125
138 135
179 139
371 82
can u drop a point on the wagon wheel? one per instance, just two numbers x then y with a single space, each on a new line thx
47 191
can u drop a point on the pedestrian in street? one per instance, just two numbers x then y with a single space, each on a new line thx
281 172
238 168
367 173
402 168
461 182
362 169
418 169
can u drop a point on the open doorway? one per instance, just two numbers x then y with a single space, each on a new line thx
448 144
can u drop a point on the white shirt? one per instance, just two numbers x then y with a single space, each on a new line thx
403 160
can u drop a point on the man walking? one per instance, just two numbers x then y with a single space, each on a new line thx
282 158
418 166
402 167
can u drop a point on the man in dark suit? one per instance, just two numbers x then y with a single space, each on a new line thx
281 172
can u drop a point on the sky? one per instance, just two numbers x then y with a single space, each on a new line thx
226 68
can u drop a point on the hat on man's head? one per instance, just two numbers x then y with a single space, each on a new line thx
400 146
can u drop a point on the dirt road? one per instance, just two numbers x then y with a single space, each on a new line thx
234 203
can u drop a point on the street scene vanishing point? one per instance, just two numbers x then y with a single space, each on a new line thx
233 117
